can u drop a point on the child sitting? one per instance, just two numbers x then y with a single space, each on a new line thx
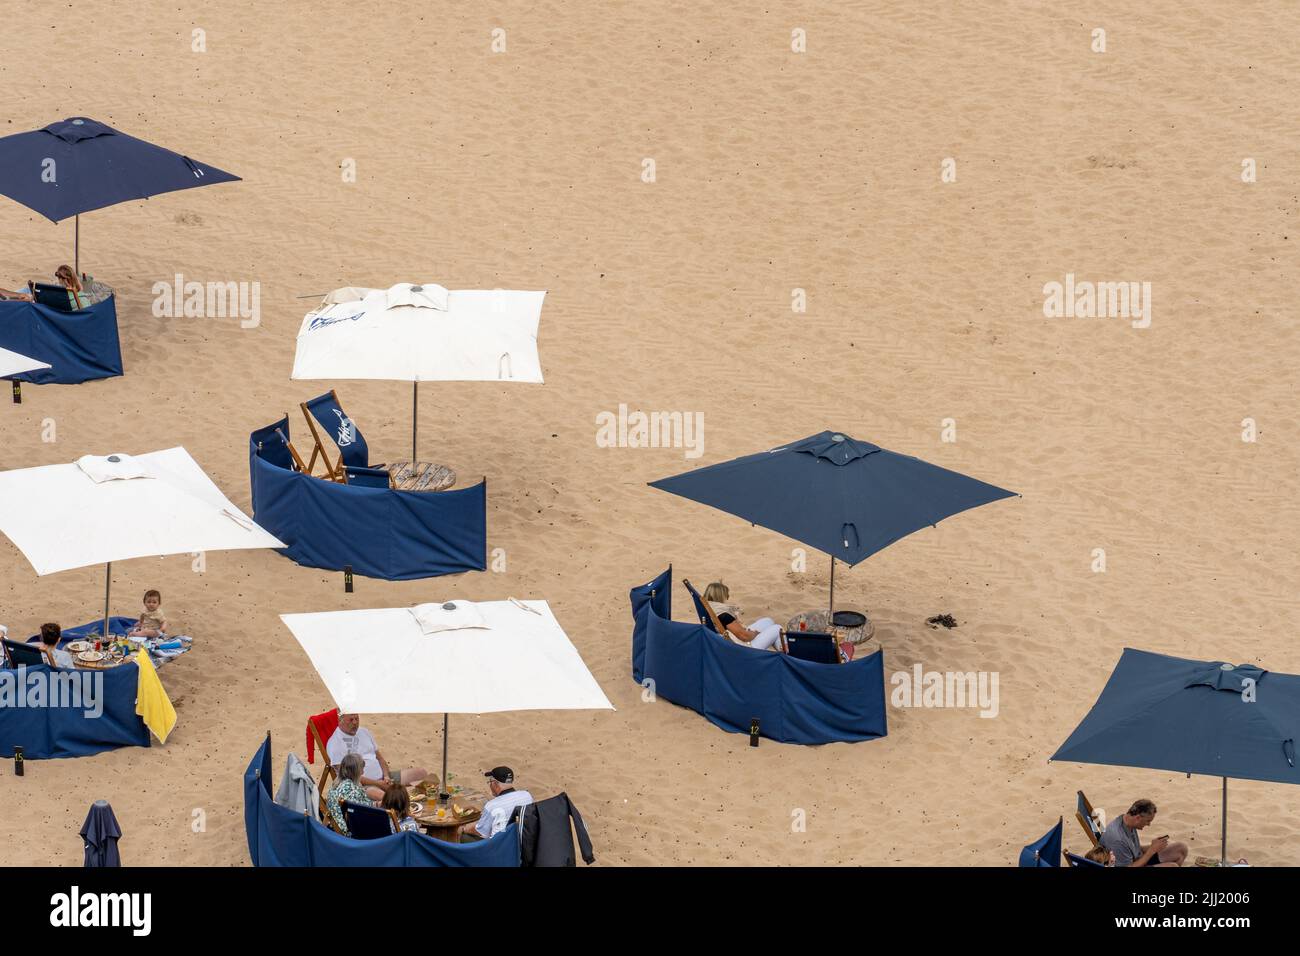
152 623
50 637
399 801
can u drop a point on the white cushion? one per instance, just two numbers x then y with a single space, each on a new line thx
451 616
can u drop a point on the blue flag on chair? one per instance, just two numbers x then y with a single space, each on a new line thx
1045 851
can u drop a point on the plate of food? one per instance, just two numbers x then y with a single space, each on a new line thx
76 647
90 657
416 808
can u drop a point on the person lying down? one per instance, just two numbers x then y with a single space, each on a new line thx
762 634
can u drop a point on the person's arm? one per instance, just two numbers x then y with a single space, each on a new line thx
1152 850
742 632
383 765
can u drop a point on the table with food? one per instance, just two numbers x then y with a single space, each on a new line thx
443 821
99 654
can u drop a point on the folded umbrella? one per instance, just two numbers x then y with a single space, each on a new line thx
100 834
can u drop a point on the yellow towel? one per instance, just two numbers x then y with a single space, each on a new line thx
151 701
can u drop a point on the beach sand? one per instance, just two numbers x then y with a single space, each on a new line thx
774 171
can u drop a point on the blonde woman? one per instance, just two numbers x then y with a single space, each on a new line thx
78 298
762 635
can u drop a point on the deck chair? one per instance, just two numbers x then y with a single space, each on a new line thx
1084 813
812 646
51 296
325 411
367 477
24 655
367 823
1081 861
709 617
328 773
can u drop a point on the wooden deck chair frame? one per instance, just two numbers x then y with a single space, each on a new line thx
327 773
717 622
1087 822
336 471
293 452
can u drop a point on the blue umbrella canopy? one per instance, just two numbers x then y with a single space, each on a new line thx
1188 716
844 497
80 164
1046 850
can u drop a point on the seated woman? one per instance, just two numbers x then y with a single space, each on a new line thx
399 801
78 297
347 788
762 634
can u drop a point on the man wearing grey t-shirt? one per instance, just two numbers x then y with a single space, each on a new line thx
1121 838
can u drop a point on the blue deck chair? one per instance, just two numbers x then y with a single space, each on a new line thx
814 646
1045 851
367 823
326 411
19 655
1081 861
368 477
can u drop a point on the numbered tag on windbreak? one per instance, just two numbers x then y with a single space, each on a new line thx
347 579
18 392
753 732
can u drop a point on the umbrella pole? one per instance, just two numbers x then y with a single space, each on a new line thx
108 588
415 417
831 611
444 791
1223 845
76 245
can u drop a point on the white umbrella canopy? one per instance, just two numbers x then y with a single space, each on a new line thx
12 363
380 661
98 510
422 333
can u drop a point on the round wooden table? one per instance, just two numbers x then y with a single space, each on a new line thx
818 621
446 828
420 476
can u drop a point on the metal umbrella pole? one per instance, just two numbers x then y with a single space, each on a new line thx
1223 845
444 791
108 588
830 615
76 246
415 417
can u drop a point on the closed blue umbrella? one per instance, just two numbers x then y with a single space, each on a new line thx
79 164
100 834
1189 716
844 497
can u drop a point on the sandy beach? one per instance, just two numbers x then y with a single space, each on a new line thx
774 171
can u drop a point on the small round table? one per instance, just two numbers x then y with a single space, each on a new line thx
420 476
819 622
446 828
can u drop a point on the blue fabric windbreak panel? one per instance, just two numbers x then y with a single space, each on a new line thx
381 533
79 346
657 592
277 836
1045 851
79 712
794 701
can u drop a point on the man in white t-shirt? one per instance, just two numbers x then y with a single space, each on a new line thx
376 776
496 812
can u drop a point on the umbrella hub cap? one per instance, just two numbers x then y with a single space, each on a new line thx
1228 677
836 447
77 128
